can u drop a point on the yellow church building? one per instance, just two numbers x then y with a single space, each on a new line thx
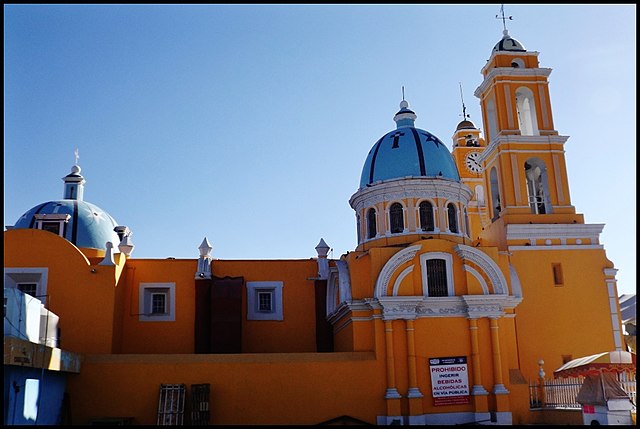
471 265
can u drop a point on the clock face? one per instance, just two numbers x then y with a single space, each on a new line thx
471 162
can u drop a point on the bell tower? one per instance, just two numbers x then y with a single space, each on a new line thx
468 145
524 163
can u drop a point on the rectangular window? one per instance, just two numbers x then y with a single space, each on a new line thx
51 227
32 281
28 288
158 303
557 274
437 277
265 300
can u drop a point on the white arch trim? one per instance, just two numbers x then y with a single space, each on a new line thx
478 277
487 264
382 283
403 274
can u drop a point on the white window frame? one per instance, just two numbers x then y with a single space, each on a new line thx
254 289
60 219
449 267
15 276
145 302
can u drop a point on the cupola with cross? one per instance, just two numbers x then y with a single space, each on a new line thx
468 145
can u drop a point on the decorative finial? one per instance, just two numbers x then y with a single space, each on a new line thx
75 154
464 108
504 19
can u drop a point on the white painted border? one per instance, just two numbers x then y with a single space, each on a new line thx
252 313
143 312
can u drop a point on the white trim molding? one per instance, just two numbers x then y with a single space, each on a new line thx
449 269
253 289
403 256
536 232
488 265
14 276
146 290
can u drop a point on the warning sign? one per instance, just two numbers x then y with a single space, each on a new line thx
449 380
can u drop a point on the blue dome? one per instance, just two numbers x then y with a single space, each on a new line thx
408 152
87 226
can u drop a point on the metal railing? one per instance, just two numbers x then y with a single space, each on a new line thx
562 392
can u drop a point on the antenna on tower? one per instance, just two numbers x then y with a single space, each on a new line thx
464 108
503 17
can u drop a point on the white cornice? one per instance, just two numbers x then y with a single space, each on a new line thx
415 307
496 72
561 231
509 53
410 187
516 139
557 247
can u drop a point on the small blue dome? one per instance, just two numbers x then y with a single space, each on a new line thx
408 152
87 226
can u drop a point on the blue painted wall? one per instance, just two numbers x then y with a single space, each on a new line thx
33 396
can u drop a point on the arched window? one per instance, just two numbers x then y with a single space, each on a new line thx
526 109
535 171
495 193
396 217
371 223
517 63
358 228
452 215
492 119
480 195
466 223
426 216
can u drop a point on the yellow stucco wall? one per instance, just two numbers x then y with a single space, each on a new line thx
245 389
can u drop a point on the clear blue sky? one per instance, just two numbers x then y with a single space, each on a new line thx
250 124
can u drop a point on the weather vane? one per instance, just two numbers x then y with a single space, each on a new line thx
75 154
464 108
503 17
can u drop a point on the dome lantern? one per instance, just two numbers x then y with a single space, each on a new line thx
405 117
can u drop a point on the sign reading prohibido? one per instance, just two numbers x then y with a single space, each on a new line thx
449 380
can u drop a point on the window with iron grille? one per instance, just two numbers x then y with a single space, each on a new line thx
437 277
426 216
28 288
397 218
371 223
452 214
265 300
158 303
